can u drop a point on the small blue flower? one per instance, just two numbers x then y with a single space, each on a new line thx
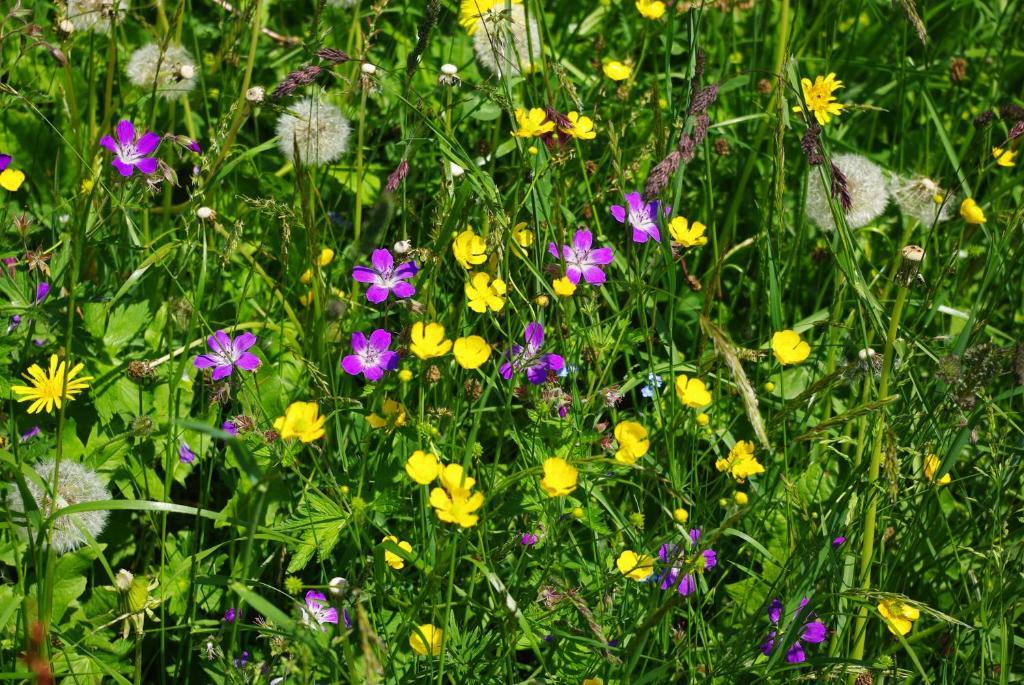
654 384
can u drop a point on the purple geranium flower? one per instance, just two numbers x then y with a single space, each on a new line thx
582 260
185 453
640 216
229 615
130 151
230 428
227 353
528 540
686 563
316 612
530 359
812 631
370 357
42 290
385 277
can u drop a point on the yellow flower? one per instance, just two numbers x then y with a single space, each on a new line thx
686 234
11 179
427 341
394 416
740 498
326 257
681 515
741 463
633 442
703 419
582 127
559 477
50 389
301 420
1004 157
651 9
456 508
426 639
423 467
470 12
931 466
532 123
455 480
899 616
393 560
471 352
469 249
563 287
692 392
819 99
593 681
789 348
635 566
617 71
306 277
522 235
484 294
405 375
971 212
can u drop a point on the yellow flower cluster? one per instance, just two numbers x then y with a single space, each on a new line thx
454 501
741 462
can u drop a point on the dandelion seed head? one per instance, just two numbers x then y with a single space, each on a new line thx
866 187
505 42
76 484
172 72
316 129
94 15
923 199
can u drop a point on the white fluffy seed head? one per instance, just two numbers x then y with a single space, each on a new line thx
95 15
123 580
867 188
923 199
76 484
316 129
505 43
172 73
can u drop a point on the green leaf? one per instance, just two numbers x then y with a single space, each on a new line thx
123 326
319 523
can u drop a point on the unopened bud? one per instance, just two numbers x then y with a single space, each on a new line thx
206 214
65 28
337 586
368 69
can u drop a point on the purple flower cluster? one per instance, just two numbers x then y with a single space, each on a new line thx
812 631
640 216
686 563
386 278
582 260
530 359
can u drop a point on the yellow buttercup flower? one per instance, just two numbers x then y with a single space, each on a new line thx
692 392
563 287
681 515
741 498
1004 157
522 235
393 560
789 348
559 477
326 257
456 508
301 420
532 123
971 212
651 9
633 442
427 341
899 616
819 98
426 639
471 11
741 463
931 467
482 293
617 71
11 179
394 416
423 467
471 352
686 234
469 249
49 389
455 481
638 567
582 127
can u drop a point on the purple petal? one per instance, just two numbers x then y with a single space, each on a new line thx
244 342
373 373
364 274
688 585
665 551
710 558
694 535
594 275
382 260
534 335
380 339
795 654
42 290
619 212
377 293
767 645
248 362
146 165
505 371
330 616
147 143
403 289
389 360
554 362
358 342
204 362
634 201
219 341
537 374
639 236
815 632
669 578
583 240
553 250
406 270
314 596
602 255
775 611
222 371
652 210
108 142
125 132
655 233
573 273
352 365
123 168
5 160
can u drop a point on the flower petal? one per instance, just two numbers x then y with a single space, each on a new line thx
125 131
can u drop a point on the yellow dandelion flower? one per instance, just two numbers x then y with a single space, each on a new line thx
819 98
49 389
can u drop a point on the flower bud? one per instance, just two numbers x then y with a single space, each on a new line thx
255 95
123 580
205 213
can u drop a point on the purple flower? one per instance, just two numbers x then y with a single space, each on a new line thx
229 615
536 365
346 619
130 151
838 542
528 540
582 260
15 322
229 428
370 357
240 662
42 290
812 631
8 262
640 216
185 453
385 277
685 563
30 433
316 612
5 161
227 353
